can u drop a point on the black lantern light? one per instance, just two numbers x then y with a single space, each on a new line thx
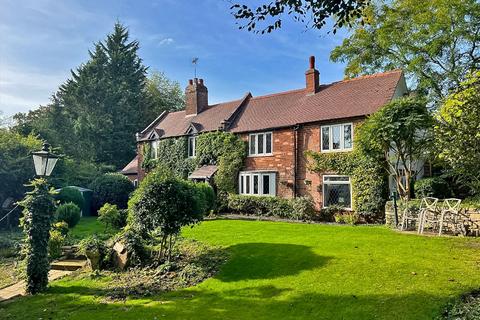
44 161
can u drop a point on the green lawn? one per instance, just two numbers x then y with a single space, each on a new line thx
88 226
291 271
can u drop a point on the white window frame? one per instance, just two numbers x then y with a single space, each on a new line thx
154 148
349 182
264 153
242 188
193 152
330 137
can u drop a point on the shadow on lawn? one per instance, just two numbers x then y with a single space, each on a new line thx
268 261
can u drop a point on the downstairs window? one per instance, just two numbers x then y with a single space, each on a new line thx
337 190
257 183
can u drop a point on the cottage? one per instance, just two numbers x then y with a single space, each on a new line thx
279 128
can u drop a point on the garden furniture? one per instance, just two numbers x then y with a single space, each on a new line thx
409 215
428 213
450 216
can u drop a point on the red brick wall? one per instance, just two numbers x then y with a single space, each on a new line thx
281 161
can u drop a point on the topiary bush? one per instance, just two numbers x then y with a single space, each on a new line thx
70 194
432 187
113 188
68 212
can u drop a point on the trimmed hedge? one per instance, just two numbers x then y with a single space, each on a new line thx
68 212
299 208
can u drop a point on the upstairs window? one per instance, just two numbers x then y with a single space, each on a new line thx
154 149
337 137
260 144
191 147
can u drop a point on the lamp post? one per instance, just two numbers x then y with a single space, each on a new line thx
44 161
39 210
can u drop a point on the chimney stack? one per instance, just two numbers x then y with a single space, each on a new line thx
196 97
312 78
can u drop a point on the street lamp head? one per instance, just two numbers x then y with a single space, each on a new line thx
44 161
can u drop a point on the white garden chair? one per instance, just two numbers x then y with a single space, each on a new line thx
417 216
450 216
429 214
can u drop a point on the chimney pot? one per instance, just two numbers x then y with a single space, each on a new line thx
201 81
195 80
312 62
190 81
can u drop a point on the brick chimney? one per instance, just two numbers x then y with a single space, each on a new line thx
196 97
312 77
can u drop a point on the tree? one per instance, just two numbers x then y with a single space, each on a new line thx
312 13
39 209
16 163
401 130
457 132
165 95
435 42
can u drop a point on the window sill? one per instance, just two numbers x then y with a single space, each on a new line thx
337 150
260 155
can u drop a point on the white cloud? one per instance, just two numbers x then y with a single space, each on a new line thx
165 42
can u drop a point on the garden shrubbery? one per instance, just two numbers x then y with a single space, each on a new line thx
301 208
113 188
70 194
68 212
112 217
432 187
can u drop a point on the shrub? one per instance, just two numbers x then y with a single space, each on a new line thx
68 212
432 187
208 196
95 250
61 226
328 214
304 208
347 217
299 208
55 243
166 203
113 188
138 255
110 216
70 194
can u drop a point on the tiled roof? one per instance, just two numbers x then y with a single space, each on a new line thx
131 167
343 99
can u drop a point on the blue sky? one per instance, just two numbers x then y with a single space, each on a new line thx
41 40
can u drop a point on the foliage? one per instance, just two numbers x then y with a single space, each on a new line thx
329 213
172 154
16 165
314 14
346 217
95 250
166 95
207 196
68 212
94 115
69 172
55 243
432 187
402 132
70 194
299 208
39 210
164 203
457 132
226 150
113 188
435 42
135 246
369 183
112 217
468 307
61 226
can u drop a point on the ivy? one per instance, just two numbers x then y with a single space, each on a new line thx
39 209
369 182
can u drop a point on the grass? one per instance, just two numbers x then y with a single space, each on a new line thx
88 226
290 271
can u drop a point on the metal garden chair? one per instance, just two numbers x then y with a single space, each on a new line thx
429 214
417 216
450 216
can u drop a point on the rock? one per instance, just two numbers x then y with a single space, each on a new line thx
120 256
93 257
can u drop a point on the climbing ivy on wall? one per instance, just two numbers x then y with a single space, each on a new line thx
172 154
369 181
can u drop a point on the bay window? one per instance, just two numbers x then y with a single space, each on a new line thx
337 190
260 144
257 183
338 137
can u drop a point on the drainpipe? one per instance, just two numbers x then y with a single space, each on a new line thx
295 156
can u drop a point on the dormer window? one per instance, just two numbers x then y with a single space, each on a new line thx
192 146
260 144
338 137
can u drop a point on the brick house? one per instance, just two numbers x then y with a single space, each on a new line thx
278 128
